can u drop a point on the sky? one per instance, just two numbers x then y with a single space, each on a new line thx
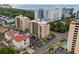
34 7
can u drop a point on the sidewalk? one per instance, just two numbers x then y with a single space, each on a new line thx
29 50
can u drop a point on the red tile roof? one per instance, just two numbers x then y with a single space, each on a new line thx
11 33
2 29
20 37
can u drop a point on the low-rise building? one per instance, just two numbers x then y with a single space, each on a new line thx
10 34
6 21
21 41
2 29
9 22
17 40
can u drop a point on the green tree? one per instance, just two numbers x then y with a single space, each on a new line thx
52 26
59 27
12 12
7 51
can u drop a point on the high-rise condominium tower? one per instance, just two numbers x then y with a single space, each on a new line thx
73 37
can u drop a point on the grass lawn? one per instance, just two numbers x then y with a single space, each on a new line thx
7 51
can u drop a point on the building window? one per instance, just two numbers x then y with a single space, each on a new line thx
76 26
75 35
74 38
76 31
77 23
25 42
73 44
72 48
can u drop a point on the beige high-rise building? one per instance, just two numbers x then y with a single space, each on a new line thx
39 28
22 23
73 37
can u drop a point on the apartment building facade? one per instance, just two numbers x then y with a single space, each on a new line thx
22 23
73 37
40 29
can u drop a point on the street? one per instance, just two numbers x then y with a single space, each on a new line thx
42 49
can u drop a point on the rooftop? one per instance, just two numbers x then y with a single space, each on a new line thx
11 33
20 37
2 29
75 21
39 22
22 17
4 17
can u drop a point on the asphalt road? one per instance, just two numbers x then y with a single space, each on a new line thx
42 49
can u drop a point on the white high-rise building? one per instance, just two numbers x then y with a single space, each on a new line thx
53 14
42 14
67 12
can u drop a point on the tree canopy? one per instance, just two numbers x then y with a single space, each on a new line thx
7 51
12 12
60 26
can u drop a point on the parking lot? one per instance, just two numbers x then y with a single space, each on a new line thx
60 50
36 42
2 45
40 42
51 38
